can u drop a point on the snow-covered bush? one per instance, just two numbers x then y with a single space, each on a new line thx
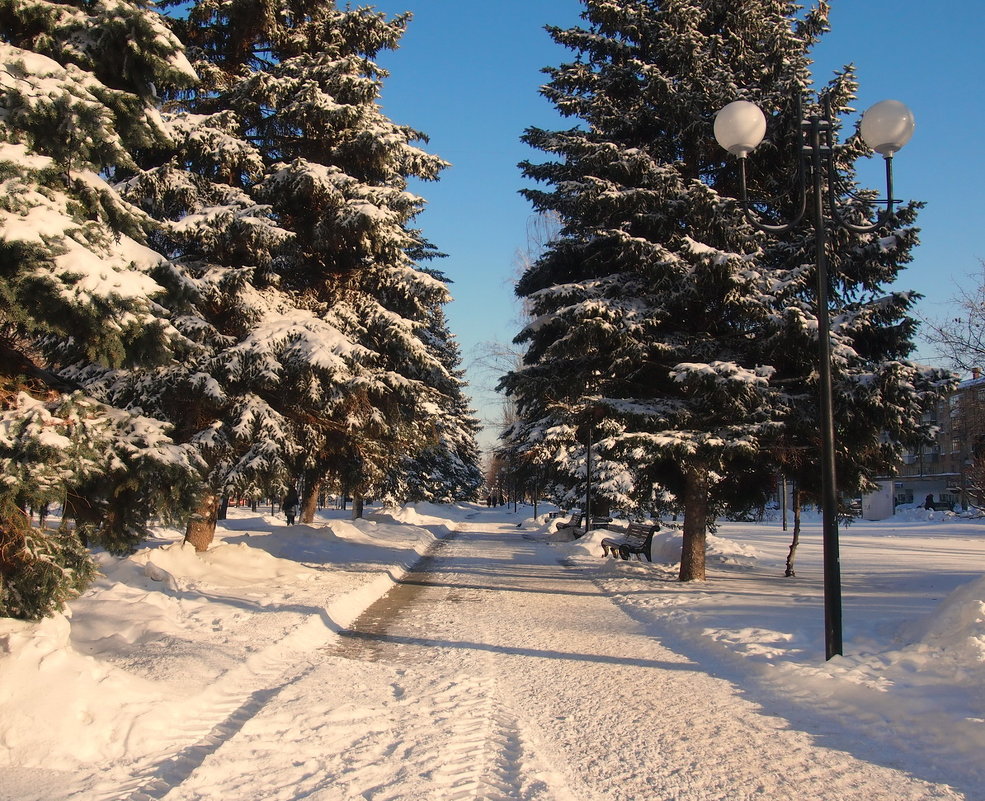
40 570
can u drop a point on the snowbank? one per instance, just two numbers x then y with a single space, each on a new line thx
665 548
145 645
952 639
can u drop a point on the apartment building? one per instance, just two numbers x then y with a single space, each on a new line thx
946 469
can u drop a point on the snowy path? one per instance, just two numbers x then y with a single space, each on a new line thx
495 673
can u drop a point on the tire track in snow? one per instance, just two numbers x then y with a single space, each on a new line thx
465 766
466 709
485 757
479 752
155 780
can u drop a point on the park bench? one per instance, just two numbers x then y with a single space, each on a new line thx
574 522
636 539
577 522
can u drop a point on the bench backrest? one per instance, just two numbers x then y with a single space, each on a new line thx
640 531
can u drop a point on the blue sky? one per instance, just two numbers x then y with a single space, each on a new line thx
468 71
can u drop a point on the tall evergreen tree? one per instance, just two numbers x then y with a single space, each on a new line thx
663 324
77 100
339 175
248 351
445 466
305 315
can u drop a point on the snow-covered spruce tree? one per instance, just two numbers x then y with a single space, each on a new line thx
77 83
248 349
445 468
265 367
646 307
301 79
658 313
76 101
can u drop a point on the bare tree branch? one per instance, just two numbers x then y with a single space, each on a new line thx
959 339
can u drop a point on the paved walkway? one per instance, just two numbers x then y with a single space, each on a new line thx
532 683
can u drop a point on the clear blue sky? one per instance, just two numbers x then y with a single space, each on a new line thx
468 71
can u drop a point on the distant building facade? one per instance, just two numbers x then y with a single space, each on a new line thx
945 469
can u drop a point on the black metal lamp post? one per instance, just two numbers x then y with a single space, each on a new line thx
593 415
588 477
886 127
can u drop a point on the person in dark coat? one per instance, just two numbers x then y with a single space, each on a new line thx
290 505
929 502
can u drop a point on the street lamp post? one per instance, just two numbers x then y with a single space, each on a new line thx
886 127
593 415
588 478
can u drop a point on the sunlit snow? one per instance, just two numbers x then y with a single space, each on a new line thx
171 645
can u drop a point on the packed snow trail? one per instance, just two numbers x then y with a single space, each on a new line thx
617 714
493 672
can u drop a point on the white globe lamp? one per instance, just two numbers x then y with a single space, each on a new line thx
740 127
887 126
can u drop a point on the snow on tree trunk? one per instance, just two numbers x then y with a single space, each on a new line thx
200 530
695 524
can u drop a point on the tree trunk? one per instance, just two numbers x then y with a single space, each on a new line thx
695 525
223 508
783 500
357 506
80 510
309 498
200 530
792 553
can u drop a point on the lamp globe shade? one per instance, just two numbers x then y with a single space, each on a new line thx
887 126
740 127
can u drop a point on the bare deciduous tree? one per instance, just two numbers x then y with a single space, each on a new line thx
959 338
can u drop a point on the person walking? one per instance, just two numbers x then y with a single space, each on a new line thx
290 504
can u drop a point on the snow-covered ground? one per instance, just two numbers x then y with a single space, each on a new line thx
232 675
